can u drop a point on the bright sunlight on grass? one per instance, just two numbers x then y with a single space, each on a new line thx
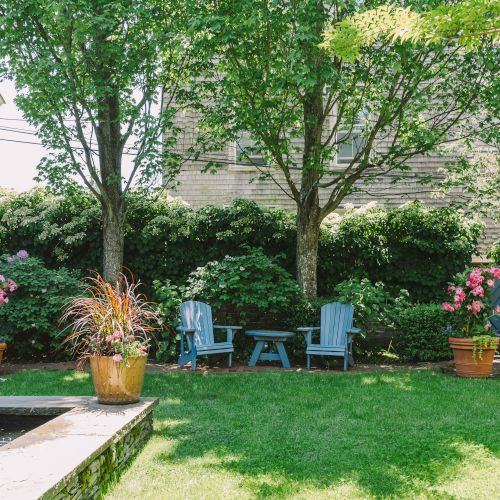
307 435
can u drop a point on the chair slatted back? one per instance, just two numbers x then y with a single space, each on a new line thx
198 315
336 319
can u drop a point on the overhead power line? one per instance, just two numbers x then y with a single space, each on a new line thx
225 161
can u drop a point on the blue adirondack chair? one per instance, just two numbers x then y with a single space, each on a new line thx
336 333
196 327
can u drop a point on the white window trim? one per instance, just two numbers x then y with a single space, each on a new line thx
238 167
356 129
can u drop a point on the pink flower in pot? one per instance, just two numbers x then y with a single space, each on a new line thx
476 307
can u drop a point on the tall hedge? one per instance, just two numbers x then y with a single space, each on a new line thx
410 247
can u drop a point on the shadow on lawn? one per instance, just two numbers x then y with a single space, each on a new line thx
388 434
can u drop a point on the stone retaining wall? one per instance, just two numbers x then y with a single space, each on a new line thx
89 482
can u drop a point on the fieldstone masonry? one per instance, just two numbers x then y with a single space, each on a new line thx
88 482
76 452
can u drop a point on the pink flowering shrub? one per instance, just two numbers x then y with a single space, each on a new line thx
7 286
110 320
472 300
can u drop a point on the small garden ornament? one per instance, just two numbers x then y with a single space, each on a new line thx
474 343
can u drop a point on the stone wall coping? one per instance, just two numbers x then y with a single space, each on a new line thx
42 461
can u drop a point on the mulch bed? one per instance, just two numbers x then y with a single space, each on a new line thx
443 366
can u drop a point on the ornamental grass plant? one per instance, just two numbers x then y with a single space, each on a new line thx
110 320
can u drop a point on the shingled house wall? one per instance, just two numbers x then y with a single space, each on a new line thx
233 180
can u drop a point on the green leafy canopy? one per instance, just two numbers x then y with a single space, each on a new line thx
468 22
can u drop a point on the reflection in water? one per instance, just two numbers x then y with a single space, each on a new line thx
14 426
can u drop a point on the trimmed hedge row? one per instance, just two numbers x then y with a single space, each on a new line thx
422 333
409 247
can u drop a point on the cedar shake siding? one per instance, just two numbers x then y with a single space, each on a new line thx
239 179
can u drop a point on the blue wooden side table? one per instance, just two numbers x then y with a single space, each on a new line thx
273 339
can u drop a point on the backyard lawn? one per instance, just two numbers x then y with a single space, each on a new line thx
306 435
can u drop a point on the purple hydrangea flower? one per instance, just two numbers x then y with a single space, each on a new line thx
22 254
11 259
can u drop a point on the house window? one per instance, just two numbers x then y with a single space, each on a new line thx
351 141
247 151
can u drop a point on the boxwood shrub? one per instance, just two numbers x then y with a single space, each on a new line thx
421 333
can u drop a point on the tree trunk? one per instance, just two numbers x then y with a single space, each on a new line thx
112 200
308 226
109 140
113 242
308 208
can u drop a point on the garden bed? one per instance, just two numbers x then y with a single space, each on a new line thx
443 366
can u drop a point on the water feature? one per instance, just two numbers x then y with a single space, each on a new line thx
14 426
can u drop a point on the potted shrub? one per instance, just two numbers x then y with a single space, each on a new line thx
474 343
7 286
111 326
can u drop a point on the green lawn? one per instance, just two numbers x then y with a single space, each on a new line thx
307 435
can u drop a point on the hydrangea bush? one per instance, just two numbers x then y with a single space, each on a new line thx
30 321
245 283
8 285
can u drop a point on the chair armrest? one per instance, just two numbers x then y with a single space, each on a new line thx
183 329
229 331
354 331
307 331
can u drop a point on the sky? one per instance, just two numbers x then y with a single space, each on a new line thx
18 161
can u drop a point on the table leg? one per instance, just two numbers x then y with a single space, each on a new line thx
282 352
256 353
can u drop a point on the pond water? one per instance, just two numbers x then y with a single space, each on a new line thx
14 426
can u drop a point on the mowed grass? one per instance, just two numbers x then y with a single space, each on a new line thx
306 435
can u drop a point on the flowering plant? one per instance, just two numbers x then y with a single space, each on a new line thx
7 286
472 302
21 255
110 320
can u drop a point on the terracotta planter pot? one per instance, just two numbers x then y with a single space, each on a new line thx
465 364
114 382
3 348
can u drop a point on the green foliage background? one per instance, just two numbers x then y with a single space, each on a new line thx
30 321
409 248
412 247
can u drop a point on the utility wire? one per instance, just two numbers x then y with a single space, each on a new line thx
225 161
